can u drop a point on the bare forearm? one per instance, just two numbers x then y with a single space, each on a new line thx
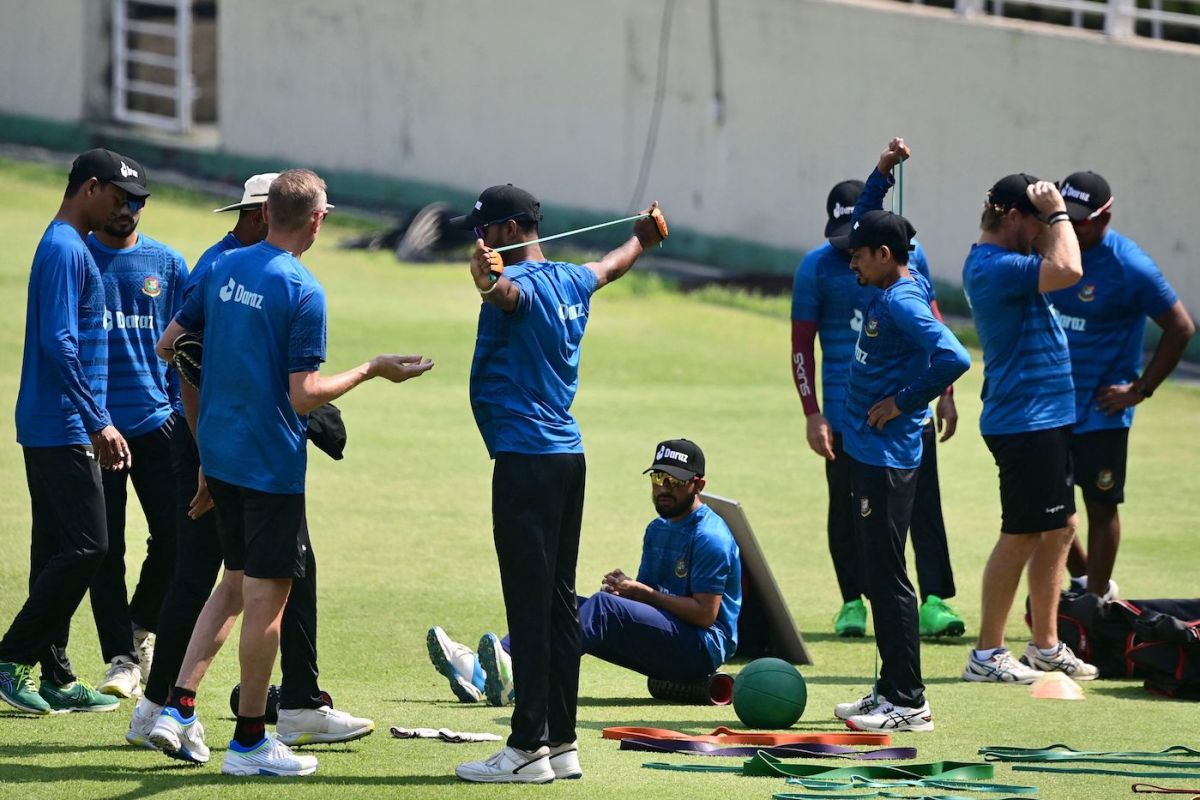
504 294
1061 262
315 390
688 609
619 261
1166 356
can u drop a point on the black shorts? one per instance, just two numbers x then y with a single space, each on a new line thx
1099 459
263 534
1037 491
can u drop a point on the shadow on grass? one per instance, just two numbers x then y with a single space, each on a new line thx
156 780
1129 693
856 680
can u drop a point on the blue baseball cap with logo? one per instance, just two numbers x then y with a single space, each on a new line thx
839 208
1086 194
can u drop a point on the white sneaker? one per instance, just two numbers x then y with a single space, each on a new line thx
123 678
497 671
143 644
888 717
564 761
268 757
1000 668
1063 660
145 714
510 765
324 725
179 738
457 664
859 707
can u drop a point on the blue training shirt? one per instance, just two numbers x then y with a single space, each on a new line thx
1104 317
697 555
903 350
1026 366
143 290
64 369
526 365
263 317
204 263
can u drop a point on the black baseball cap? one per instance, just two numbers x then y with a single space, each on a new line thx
1086 194
1010 192
105 165
878 228
839 207
498 204
679 458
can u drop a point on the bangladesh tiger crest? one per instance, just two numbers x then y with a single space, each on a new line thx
1088 293
151 287
872 328
1105 480
864 506
681 568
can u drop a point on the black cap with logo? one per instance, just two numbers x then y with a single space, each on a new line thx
1011 192
679 458
499 204
1086 194
839 207
105 165
879 228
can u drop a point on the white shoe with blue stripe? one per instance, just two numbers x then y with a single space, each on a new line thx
269 757
457 663
179 738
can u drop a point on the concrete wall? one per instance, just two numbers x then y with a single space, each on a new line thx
47 51
557 96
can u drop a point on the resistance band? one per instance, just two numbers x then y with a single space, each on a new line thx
1062 752
934 783
807 796
1150 788
763 765
812 750
569 233
728 736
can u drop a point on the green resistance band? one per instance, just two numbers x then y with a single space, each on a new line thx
934 783
570 233
1062 752
1194 773
822 796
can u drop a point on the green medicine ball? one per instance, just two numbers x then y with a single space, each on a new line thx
769 693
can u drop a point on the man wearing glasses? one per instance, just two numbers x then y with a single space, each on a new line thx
263 318
67 436
523 380
676 621
143 288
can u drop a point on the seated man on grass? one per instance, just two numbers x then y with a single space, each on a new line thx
676 622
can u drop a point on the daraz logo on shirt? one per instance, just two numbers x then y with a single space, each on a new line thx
570 312
239 294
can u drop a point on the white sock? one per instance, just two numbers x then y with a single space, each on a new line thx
984 655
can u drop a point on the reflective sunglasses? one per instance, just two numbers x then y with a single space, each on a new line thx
669 481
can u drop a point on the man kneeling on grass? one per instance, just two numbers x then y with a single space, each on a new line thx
677 621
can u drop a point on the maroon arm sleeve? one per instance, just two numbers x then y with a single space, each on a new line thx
804 334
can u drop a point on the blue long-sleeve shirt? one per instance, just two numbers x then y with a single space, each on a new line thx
64 369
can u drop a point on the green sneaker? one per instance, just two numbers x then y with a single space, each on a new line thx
76 696
17 689
939 619
851 621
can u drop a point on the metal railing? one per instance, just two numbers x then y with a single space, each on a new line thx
143 76
1118 18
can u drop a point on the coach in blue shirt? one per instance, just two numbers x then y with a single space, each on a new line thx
143 287
64 430
523 379
828 302
263 317
1026 248
904 358
1104 317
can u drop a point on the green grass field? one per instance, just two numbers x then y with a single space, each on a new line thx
402 531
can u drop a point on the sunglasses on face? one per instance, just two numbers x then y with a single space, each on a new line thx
135 204
669 481
481 230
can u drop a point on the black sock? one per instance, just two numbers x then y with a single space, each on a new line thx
183 701
249 731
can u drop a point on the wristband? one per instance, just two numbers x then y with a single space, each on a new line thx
1139 386
1061 216
488 290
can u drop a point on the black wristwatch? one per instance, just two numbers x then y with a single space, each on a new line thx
1139 386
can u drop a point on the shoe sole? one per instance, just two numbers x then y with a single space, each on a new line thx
463 689
505 777
41 712
171 747
301 739
1025 660
140 741
254 772
924 727
112 690
951 629
86 709
976 678
852 633
493 686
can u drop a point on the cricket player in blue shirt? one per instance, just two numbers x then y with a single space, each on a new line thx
263 318
828 302
143 286
67 436
1026 248
905 357
523 379
1104 318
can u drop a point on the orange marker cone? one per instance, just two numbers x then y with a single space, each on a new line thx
1056 686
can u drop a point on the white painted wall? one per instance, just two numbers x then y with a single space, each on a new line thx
43 57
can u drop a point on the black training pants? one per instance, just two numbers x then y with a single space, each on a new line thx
68 543
883 501
934 573
198 560
537 511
